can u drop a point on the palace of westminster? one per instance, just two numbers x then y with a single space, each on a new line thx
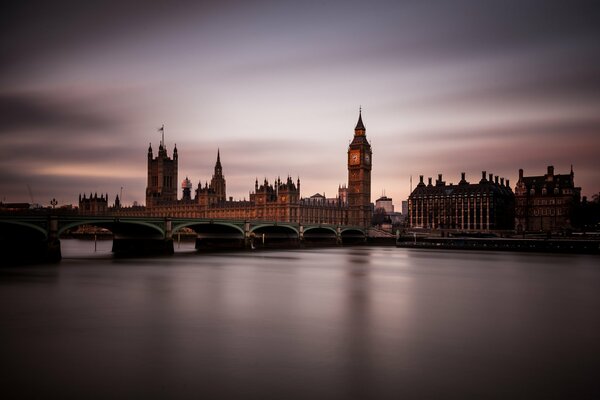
539 203
276 201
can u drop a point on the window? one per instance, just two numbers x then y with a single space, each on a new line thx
532 191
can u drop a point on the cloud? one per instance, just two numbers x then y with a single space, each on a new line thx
35 111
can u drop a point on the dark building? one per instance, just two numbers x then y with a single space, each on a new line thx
93 205
279 201
546 202
162 177
484 206
360 210
218 180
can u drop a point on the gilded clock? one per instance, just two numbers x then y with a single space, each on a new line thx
354 157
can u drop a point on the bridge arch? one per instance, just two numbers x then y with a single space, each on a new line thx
111 224
323 235
207 223
36 228
269 226
352 235
322 228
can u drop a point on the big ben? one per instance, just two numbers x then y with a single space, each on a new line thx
359 177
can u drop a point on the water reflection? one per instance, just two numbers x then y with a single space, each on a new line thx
337 323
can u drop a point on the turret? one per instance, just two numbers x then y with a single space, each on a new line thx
360 129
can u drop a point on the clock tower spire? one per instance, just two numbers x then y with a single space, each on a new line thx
359 177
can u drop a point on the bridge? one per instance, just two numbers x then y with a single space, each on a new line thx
37 237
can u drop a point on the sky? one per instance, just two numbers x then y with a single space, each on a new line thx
445 87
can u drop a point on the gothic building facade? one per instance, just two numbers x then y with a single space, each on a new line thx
277 201
162 177
546 202
484 206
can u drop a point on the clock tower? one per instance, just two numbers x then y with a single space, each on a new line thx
359 177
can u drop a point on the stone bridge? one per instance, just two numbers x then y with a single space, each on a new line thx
37 238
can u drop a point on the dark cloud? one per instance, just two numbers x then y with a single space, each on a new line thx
28 111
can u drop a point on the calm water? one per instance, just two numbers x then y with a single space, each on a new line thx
338 323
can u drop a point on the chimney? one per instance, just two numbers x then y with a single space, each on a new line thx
496 179
507 183
491 178
501 181
429 179
440 177
420 178
521 174
483 175
462 176
550 170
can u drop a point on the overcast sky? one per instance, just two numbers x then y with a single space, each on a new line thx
445 87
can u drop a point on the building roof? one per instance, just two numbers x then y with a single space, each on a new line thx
359 124
462 189
548 182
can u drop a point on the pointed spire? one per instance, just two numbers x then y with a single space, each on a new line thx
162 130
218 163
359 125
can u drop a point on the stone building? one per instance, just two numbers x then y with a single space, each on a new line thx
384 203
277 201
484 206
545 202
360 160
162 176
94 205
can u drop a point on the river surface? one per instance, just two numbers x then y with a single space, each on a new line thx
328 323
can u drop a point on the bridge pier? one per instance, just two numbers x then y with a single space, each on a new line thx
53 253
248 239
136 243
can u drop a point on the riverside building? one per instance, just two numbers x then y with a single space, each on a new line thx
484 206
546 202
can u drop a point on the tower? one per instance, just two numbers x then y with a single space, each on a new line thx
359 177
217 183
162 175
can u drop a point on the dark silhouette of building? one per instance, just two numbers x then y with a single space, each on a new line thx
546 202
359 177
279 201
162 177
484 206
218 180
93 205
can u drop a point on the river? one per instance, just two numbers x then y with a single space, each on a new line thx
327 323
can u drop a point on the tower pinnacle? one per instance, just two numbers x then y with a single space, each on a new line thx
360 127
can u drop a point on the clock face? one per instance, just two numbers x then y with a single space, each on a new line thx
367 159
354 157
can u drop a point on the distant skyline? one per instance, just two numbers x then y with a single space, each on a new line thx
445 87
